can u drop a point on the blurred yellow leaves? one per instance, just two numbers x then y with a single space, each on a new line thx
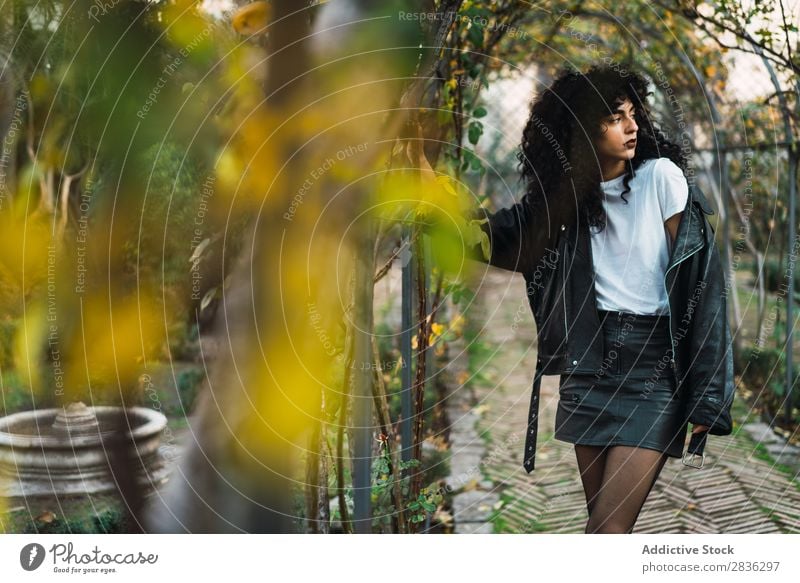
439 203
251 19
188 29
285 398
426 192
29 344
248 166
457 325
24 247
90 353
113 343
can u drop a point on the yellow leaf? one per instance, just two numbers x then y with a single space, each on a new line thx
188 28
29 344
457 325
447 184
251 19
444 517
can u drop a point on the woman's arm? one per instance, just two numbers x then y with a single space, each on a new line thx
508 234
507 230
672 224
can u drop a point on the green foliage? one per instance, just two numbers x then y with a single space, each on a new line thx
776 275
16 396
7 330
470 160
183 338
475 131
760 365
764 373
171 205
176 400
459 293
382 491
189 382
110 521
426 503
382 497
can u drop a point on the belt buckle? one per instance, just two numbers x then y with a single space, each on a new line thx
692 457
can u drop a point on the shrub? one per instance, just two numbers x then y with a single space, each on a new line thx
775 275
7 328
16 395
764 373
189 382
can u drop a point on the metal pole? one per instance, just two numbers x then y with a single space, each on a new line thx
793 158
407 261
426 249
724 195
362 395
429 364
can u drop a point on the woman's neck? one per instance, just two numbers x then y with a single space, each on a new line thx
612 169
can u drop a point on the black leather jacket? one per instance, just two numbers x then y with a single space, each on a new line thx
557 266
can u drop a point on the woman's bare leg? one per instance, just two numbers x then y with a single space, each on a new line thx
628 478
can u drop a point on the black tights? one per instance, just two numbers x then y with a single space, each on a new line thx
617 481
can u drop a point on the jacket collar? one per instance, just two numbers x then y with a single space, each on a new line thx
697 196
691 234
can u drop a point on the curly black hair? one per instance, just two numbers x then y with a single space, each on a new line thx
557 158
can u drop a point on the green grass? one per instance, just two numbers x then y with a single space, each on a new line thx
760 452
100 513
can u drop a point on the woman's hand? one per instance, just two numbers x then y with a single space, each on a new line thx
699 428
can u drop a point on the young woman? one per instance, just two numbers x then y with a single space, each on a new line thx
592 158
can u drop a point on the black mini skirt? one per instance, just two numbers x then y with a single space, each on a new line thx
631 399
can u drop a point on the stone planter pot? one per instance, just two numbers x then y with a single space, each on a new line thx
67 451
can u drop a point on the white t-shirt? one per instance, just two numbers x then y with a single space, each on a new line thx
631 253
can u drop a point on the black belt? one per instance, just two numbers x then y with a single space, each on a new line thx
529 457
630 315
697 444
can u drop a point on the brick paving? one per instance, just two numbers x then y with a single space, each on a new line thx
736 492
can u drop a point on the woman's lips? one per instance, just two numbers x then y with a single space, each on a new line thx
630 144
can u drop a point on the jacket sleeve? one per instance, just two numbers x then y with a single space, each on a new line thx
518 236
509 238
710 375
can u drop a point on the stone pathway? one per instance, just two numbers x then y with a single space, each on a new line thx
736 492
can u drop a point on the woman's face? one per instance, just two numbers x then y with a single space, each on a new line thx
617 139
